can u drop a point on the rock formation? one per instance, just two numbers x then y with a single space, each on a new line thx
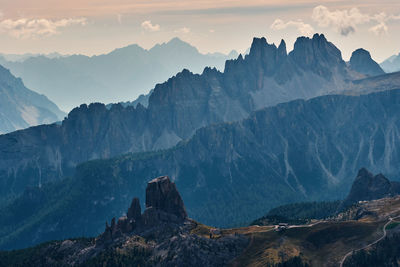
162 196
134 211
164 205
362 62
369 187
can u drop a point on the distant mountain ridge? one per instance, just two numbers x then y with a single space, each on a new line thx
21 108
392 64
23 57
176 109
118 76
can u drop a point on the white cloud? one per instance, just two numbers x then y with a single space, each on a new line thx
148 26
31 28
379 29
183 30
346 21
303 28
343 21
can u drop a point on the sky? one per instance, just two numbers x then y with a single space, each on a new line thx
97 26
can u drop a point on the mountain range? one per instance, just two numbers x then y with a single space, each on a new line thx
21 108
228 174
177 108
118 76
300 150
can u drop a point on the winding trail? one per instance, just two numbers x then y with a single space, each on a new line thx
371 244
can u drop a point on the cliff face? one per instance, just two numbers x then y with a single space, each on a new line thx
176 109
229 174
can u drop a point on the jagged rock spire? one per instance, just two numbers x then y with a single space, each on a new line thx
366 186
164 205
134 211
161 194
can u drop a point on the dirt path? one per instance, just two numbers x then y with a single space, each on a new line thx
371 244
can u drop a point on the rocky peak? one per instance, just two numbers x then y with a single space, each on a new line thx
134 211
265 56
366 186
362 62
164 206
282 52
317 54
161 194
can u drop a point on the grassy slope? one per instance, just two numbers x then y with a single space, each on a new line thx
323 244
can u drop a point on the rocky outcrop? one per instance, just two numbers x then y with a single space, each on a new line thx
162 195
367 187
134 211
164 205
362 62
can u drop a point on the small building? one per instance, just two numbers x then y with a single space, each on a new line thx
281 227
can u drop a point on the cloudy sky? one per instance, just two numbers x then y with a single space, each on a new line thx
98 26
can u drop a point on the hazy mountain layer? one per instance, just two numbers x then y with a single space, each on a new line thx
176 109
121 75
21 107
391 64
229 173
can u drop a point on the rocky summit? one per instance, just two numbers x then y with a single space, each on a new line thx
162 199
362 62
370 187
164 206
